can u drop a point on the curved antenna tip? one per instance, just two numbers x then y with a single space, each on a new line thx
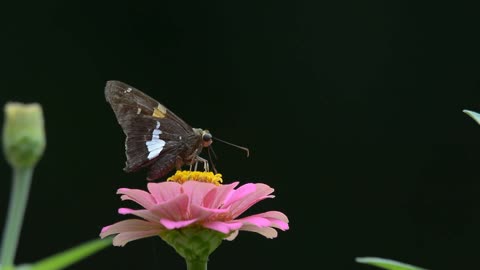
234 145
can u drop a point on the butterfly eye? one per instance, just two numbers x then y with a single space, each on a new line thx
207 137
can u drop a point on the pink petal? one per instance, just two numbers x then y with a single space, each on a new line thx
216 197
123 238
196 191
130 225
164 191
274 215
271 219
232 236
201 213
223 227
141 197
125 211
277 219
104 229
257 221
171 224
262 191
240 193
280 225
265 231
143 213
174 209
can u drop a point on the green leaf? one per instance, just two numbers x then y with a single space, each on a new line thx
70 256
387 264
474 115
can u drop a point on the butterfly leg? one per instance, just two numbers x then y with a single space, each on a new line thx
196 165
196 160
206 166
193 160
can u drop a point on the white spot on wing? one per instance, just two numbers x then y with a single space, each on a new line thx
139 110
129 90
155 145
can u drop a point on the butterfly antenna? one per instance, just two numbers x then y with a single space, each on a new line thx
210 152
237 146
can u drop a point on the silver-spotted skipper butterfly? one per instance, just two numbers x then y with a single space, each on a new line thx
156 137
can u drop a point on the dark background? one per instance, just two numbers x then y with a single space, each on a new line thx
352 112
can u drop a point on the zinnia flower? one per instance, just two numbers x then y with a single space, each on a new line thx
204 207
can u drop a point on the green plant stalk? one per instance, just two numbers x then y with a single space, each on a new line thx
22 178
68 257
387 263
196 264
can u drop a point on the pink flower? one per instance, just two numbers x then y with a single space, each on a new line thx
171 205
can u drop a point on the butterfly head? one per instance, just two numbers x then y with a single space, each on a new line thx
206 138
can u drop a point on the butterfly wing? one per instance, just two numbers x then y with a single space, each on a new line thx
155 136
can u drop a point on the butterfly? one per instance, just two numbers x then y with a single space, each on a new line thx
155 137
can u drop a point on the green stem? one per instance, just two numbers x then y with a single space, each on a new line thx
196 264
22 178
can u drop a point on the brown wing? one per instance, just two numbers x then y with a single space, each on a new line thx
155 135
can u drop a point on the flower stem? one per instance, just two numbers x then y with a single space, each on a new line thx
22 178
196 264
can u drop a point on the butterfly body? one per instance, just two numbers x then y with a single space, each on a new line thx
155 136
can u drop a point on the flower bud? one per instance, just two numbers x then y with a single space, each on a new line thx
23 134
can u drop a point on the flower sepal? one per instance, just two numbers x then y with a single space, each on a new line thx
193 243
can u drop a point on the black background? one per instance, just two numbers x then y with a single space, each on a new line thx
352 112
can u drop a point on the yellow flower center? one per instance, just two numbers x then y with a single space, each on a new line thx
207 177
